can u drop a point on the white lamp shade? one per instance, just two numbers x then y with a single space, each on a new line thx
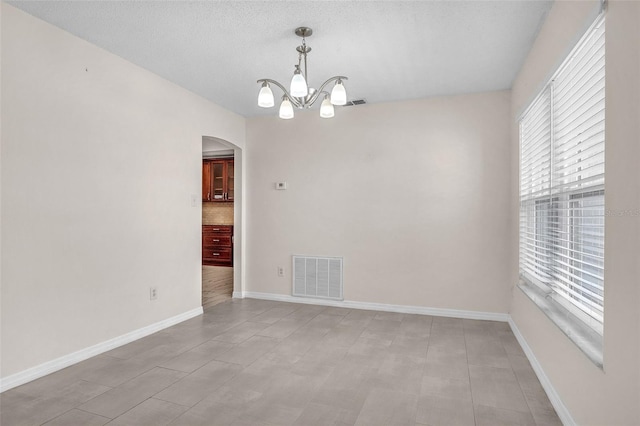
265 97
339 94
326 109
286 109
298 87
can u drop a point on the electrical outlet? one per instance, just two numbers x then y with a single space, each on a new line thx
280 271
153 293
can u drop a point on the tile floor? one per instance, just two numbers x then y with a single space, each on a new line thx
254 362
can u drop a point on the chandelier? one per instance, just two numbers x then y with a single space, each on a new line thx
300 95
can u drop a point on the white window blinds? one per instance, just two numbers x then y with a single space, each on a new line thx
562 183
535 186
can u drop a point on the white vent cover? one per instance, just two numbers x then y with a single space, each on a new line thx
319 277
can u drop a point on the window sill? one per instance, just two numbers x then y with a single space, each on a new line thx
589 342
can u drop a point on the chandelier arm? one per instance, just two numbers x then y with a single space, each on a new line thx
314 97
293 100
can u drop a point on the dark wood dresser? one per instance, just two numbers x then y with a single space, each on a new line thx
217 245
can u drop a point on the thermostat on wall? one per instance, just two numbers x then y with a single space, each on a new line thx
281 185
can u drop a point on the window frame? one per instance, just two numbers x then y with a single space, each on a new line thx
557 200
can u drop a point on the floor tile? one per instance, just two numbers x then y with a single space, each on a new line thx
400 373
486 350
197 357
451 368
78 417
491 416
416 326
409 345
446 387
347 387
306 313
112 372
510 343
379 325
324 415
241 332
18 408
496 387
342 335
384 407
283 328
137 347
126 396
263 412
276 313
337 311
438 411
358 318
191 389
248 351
322 323
150 412
389 316
222 407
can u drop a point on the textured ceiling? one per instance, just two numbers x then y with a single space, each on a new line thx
390 50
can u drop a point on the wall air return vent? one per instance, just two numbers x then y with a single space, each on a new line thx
317 277
355 102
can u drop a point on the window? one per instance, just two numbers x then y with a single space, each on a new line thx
562 183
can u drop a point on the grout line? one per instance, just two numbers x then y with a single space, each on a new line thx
466 354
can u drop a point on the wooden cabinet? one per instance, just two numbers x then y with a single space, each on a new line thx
217 245
217 180
206 180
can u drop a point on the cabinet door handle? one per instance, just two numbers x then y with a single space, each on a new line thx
208 195
216 254
215 241
216 229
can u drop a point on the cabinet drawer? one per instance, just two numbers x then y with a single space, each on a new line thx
217 230
220 255
216 240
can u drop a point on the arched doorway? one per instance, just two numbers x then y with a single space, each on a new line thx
223 208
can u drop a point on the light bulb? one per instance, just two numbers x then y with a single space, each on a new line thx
265 97
286 109
298 86
339 94
326 108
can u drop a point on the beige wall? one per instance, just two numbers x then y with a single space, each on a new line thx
414 195
593 396
100 159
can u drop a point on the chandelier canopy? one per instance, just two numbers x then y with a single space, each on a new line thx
300 95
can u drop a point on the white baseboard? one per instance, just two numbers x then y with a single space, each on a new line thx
238 295
405 309
554 398
52 366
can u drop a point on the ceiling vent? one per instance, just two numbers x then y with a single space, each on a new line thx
356 102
